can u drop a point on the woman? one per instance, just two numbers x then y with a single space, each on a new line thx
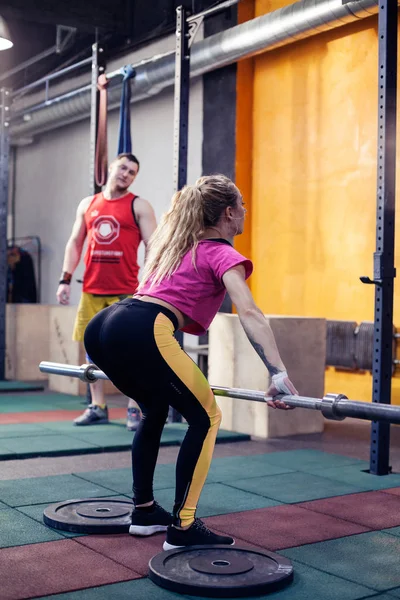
191 265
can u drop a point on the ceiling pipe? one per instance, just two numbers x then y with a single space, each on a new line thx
289 24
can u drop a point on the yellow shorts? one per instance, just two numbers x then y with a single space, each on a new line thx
89 306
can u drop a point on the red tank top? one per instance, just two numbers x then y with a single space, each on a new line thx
113 241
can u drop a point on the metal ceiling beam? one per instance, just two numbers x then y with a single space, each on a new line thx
88 15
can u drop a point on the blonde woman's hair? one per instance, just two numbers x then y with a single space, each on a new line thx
193 209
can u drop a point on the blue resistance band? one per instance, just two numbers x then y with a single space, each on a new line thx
124 140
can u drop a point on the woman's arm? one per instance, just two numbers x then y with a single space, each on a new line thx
259 333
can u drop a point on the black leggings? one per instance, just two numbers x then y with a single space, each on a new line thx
133 342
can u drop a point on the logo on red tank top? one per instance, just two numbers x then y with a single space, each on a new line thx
106 229
113 240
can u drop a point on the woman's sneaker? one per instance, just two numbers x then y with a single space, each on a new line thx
196 535
146 522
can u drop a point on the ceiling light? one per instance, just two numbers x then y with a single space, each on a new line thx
5 38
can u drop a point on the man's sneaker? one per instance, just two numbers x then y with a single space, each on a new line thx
93 415
146 522
196 535
133 418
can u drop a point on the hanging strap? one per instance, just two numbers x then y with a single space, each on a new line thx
101 144
124 139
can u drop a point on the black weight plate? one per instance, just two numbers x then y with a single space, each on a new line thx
90 515
220 571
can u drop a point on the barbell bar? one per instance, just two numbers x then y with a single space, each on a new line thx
333 406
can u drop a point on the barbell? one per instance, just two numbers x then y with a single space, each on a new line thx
333 406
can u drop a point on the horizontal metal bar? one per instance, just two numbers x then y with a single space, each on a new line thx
113 75
52 76
141 63
86 372
254 396
59 369
332 406
212 11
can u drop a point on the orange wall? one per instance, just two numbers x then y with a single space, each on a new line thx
313 179
244 132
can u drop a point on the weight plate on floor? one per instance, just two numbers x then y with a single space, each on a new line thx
90 515
220 571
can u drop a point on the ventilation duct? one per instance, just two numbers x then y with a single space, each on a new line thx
281 27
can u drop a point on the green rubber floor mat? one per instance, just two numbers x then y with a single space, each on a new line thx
50 489
226 469
370 559
219 499
13 403
294 487
17 529
17 386
63 438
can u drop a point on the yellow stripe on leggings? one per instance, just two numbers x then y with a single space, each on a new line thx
191 376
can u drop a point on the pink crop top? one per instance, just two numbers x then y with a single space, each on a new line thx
199 294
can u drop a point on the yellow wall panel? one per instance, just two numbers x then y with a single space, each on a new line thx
313 214
265 6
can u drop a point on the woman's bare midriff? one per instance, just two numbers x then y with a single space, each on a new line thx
182 319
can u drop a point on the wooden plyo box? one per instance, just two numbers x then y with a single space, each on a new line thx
234 363
41 332
27 339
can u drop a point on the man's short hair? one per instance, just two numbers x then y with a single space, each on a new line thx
129 156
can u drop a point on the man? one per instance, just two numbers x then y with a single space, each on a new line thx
115 222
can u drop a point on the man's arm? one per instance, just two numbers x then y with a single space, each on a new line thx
259 333
146 219
73 250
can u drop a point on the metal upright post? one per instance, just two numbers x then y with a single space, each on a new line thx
181 118
98 67
181 105
4 158
384 270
